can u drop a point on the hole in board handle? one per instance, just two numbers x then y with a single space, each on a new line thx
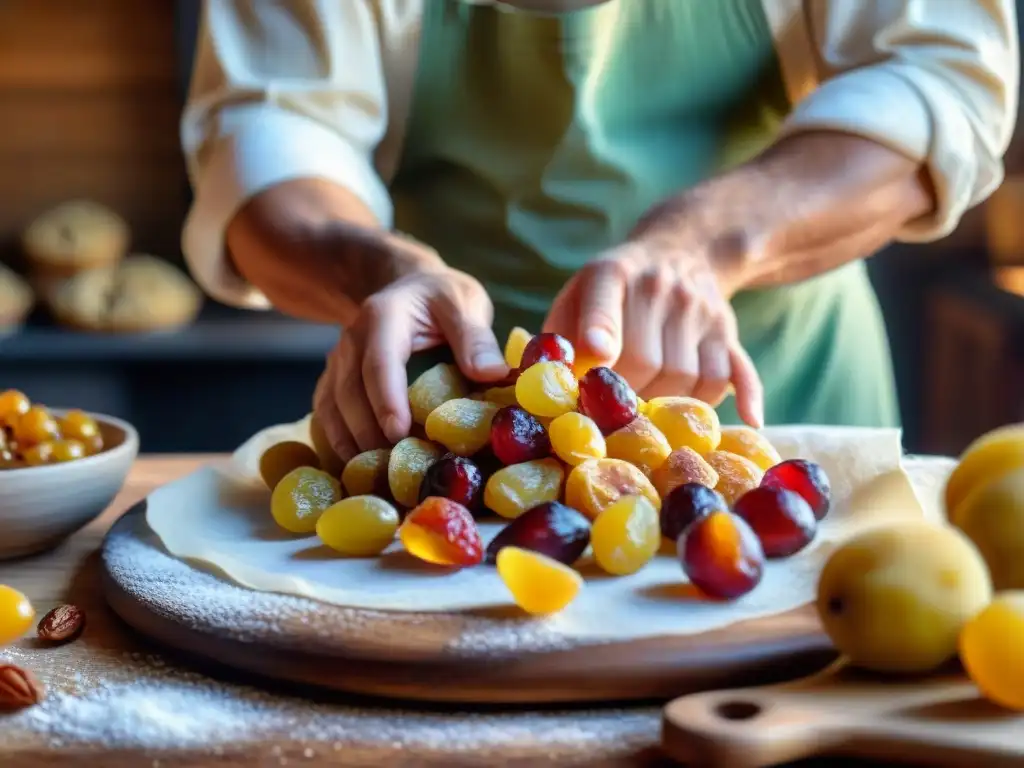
738 710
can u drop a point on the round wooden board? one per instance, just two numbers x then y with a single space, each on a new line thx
467 657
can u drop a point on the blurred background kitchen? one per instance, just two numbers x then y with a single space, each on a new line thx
90 95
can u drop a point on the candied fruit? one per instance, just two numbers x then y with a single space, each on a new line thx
607 398
16 614
547 389
687 504
539 584
584 363
575 438
359 526
501 396
516 343
434 387
93 445
552 528
407 465
13 405
367 473
39 454
518 436
463 426
36 425
330 462
442 532
281 458
78 425
806 478
641 444
736 475
301 497
596 484
721 556
518 487
987 458
456 478
782 520
683 465
67 450
750 444
990 649
686 422
548 347
626 535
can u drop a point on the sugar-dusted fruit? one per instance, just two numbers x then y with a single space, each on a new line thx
463 426
330 462
517 340
518 436
359 526
683 465
721 556
641 444
987 458
992 516
607 398
442 532
518 487
686 422
895 598
433 387
736 475
13 404
782 519
806 478
548 347
367 473
991 646
456 478
407 465
539 584
281 458
626 535
547 389
16 614
301 496
553 529
685 505
750 444
575 438
596 484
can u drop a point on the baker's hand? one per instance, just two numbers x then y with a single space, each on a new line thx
657 308
361 399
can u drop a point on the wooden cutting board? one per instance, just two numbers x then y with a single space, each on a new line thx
938 721
482 657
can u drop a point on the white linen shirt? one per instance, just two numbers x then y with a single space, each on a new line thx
289 89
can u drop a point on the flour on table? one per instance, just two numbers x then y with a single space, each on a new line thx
219 518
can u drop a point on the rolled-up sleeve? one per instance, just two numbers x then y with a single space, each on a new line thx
934 79
280 91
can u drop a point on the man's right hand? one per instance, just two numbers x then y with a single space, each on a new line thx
361 399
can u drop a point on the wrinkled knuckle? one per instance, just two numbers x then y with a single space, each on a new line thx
653 283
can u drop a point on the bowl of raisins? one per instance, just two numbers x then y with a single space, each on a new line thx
59 469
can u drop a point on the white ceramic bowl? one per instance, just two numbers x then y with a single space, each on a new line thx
42 506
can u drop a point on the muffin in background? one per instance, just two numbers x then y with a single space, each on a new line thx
142 293
16 300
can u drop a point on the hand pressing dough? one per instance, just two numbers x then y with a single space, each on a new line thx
220 519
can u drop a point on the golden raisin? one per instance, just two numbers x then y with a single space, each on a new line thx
433 387
463 426
514 489
407 465
575 438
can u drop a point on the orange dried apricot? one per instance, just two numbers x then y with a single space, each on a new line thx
750 444
736 475
685 422
682 466
641 444
596 484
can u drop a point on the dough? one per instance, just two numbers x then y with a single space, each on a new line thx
219 518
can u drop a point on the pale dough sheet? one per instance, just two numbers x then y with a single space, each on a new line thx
220 518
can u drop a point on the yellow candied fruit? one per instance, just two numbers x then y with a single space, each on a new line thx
409 461
16 614
736 475
518 338
78 425
685 421
518 487
13 405
68 450
683 466
281 458
367 473
992 650
36 425
750 444
301 497
359 526
596 484
39 454
584 363
575 438
433 387
547 389
988 458
330 462
641 444
539 585
501 396
626 535
463 426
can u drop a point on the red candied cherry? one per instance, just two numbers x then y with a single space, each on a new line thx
686 504
548 347
552 529
781 518
518 436
806 478
721 556
442 532
456 478
607 398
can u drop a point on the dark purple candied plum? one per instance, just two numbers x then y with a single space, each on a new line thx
552 529
456 478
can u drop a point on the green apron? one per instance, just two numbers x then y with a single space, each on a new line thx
536 142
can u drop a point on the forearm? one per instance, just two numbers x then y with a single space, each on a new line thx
316 251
